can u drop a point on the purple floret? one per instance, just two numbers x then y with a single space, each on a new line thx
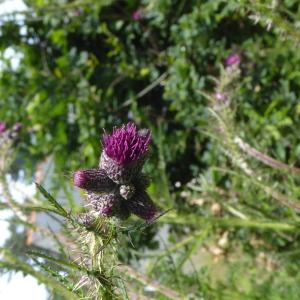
126 144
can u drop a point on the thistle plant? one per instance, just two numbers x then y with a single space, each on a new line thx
118 186
231 139
115 189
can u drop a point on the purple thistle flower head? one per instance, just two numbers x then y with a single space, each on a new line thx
118 186
233 59
2 127
126 144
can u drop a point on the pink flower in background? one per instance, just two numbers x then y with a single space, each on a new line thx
2 127
17 126
78 12
11 132
137 15
220 97
233 59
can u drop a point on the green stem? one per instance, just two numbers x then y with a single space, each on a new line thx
132 273
228 222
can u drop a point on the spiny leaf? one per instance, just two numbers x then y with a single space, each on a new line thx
139 226
58 242
10 262
52 201
47 210
123 289
57 261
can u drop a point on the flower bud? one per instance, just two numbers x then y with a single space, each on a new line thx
94 180
86 219
142 206
105 204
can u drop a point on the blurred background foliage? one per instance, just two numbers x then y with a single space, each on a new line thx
88 65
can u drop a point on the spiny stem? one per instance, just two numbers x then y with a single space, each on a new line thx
267 160
130 272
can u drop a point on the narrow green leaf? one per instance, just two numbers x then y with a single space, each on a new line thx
46 210
52 201
10 262
55 260
123 289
